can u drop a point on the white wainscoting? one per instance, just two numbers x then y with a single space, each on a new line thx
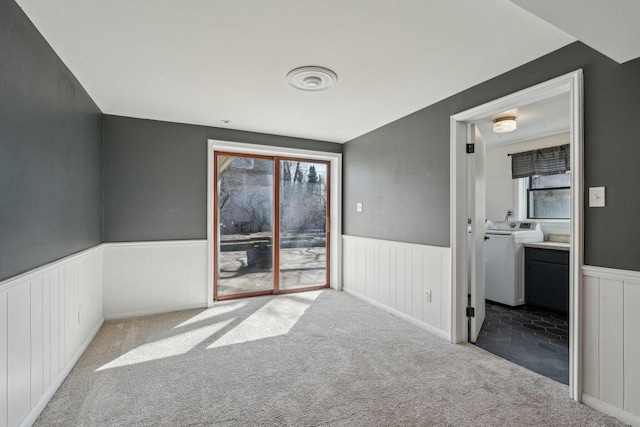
143 278
611 342
48 316
395 275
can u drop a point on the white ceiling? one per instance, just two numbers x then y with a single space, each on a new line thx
203 61
537 120
611 27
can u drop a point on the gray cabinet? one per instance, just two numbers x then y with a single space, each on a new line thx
546 278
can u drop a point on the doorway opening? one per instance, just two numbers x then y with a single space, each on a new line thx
272 215
493 272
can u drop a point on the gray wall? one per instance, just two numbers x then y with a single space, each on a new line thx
401 171
155 176
50 152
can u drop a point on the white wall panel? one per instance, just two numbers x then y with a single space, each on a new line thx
632 347
432 280
152 277
401 280
395 276
590 334
19 353
54 321
384 276
4 345
46 331
37 340
41 336
610 341
417 282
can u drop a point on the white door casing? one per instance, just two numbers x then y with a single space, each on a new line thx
572 85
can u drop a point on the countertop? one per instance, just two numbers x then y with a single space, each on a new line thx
557 246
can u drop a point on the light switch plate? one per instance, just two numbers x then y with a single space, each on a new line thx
358 207
596 197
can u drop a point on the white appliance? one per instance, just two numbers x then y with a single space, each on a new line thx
504 259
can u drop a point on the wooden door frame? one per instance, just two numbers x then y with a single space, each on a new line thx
328 229
334 231
571 84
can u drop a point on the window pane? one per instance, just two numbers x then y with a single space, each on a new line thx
245 209
303 224
550 203
551 181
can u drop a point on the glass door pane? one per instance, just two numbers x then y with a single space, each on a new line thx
245 213
303 224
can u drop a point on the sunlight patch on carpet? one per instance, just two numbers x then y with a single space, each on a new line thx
167 347
219 309
275 318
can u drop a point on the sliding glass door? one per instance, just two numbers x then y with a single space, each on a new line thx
303 224
270 238
245 208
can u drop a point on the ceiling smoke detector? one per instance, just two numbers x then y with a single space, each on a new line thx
311 78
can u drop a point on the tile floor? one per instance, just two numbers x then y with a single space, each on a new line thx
531 337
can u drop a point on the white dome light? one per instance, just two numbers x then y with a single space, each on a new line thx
505 124
311 78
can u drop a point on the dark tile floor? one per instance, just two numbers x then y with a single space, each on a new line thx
530 337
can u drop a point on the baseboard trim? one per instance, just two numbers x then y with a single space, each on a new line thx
438 332
131 314
622 415
47 395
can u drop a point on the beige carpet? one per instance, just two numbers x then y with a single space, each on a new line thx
308 359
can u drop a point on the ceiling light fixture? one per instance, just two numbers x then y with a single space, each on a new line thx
311 78
505 124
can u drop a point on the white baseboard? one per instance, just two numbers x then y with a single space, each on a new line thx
618 413
412 320
128 315
57 382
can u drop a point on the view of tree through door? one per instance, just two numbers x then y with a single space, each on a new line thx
303 224
270 238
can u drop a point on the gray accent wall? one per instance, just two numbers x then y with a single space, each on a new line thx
400 172
155 176
50 152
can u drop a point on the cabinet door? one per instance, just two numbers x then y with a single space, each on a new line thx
547 285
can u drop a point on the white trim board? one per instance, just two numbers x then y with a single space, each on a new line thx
335 160
571 84
610 273
28 275
152 311
157 243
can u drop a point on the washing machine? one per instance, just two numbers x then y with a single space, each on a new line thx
504 259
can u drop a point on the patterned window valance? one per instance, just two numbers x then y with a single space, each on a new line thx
544 161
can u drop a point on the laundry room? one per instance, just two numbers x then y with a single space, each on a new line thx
527 234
